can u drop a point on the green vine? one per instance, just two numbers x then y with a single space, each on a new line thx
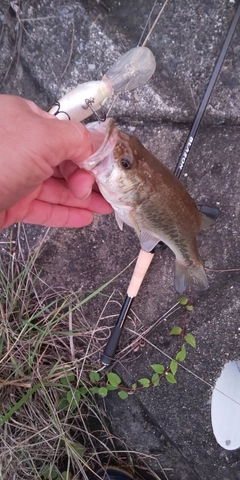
102 385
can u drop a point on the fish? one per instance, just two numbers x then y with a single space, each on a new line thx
148 197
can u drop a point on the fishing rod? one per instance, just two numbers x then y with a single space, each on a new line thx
144 259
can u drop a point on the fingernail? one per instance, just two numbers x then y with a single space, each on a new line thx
87 195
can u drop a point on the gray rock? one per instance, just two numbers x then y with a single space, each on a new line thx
47 49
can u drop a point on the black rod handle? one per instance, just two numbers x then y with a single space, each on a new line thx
112 344
212 212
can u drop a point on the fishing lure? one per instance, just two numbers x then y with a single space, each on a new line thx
132 70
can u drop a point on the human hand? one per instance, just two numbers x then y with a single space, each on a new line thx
40 181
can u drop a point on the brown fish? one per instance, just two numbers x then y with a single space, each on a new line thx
148 197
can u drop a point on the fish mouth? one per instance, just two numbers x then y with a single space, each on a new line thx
103 138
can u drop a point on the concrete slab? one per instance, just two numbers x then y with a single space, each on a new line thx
62 43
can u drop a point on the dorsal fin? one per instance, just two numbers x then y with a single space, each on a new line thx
206 221
208 215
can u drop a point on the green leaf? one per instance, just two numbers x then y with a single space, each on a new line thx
93 390
114 379
155 379
173 366
54 474
48 471
103 391
77 448
63 404
190 308
67 380
190 339
182 354
111 387
83 390
183 300
73 397
158 368
145 382
170 378
94 377
176 331
134 386
123 395
66 475
64 381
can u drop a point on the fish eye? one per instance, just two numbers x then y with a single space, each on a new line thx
126 162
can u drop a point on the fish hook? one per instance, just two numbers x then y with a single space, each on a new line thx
58 111
89 104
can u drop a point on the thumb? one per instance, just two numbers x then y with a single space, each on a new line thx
62 140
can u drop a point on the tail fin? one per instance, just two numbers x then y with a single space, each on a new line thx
189 277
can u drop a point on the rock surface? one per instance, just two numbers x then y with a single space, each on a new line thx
47 48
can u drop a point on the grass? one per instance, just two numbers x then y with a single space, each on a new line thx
51 426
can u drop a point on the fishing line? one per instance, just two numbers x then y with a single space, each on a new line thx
145 41
143 336
193 374
148 21
145 259
80 108
153 25
170 358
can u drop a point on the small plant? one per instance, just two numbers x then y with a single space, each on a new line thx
112 381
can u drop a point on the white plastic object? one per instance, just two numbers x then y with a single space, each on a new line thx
225 407
73 106
132 70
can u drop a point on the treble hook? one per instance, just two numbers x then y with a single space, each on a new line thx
89 104
58 111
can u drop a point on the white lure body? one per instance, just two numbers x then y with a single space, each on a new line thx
74 105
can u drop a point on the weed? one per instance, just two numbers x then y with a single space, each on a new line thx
52 424
111 381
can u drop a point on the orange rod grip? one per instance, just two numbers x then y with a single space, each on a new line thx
140 270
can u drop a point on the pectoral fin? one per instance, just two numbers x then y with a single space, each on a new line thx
119 221
147 240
